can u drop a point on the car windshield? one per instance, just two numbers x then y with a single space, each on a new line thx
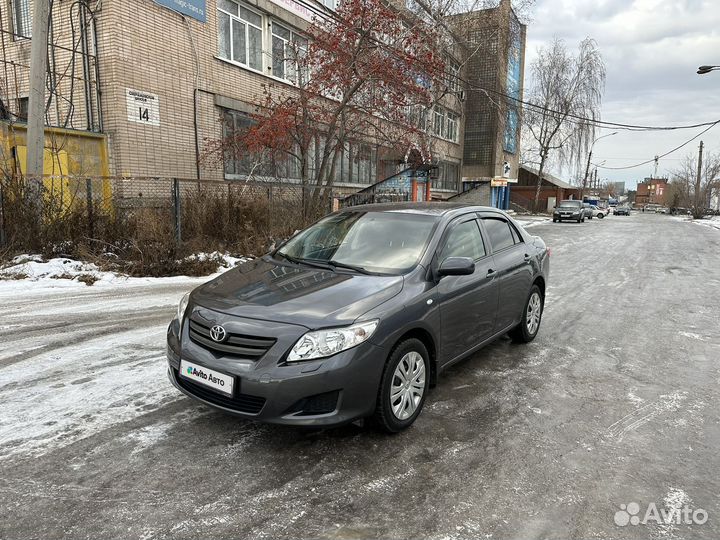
570 204
377 242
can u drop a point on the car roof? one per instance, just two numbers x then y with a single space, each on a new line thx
437 208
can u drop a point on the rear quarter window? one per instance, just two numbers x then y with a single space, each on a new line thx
499 233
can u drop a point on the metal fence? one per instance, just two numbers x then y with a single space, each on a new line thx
119 213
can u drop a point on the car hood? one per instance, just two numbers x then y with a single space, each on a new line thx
295 294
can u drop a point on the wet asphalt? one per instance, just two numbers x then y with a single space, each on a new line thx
615 402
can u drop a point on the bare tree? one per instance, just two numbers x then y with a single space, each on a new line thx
565 98
682 187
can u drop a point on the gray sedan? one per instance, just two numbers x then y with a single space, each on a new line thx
358 315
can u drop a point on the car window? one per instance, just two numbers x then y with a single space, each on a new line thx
515 234
499 233
570 204
464 240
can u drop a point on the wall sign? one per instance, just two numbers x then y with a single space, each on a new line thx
298 9
191 8
142 107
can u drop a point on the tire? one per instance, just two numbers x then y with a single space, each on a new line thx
579 220
526 332
386 416
554 220
601 216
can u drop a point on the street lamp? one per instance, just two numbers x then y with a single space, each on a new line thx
587 167
702 70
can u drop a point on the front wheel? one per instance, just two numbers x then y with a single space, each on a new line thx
600 216
403 387
529 325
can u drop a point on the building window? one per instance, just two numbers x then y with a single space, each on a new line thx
287 48
453 72
21 18
439 122
448 176
330 4
239 34
22 109
451 131
238 162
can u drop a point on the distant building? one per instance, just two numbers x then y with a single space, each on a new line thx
552 190
618 188
651 191
495 39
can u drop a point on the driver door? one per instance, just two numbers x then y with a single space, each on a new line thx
468 304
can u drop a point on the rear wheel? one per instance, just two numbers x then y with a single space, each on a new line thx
403 387
529 325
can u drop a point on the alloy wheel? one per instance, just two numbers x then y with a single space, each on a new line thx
534 311
408 385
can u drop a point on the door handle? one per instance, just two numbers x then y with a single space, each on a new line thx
527 257
490 272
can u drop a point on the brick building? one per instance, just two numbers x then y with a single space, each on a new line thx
552 190
156 82
651 191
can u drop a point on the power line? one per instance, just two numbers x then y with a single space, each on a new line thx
665 154
331 15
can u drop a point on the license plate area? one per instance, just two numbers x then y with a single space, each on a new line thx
210 378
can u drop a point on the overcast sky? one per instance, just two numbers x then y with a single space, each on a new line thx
651 49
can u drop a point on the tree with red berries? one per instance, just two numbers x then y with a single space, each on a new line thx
365 74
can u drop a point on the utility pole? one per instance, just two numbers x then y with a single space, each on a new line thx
697 212
36 103
587 171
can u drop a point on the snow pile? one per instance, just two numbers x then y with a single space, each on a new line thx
531 221
65 272
713 222
34 268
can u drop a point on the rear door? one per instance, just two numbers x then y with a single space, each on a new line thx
467 303
512 259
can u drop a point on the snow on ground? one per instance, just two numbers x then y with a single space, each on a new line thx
63 272
531 221
77 359
713 222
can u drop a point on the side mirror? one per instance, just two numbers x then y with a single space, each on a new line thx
456 266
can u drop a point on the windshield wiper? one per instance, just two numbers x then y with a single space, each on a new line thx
325 265
309 262
358 269
287 257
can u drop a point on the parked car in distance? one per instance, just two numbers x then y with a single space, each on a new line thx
598 212
622 211
569 210
357 315
680 211
587 210
662 210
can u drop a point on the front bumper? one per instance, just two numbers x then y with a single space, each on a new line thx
325 392
560 217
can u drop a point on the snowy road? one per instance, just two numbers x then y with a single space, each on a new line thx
615 402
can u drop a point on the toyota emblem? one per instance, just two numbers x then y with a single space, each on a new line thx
217 333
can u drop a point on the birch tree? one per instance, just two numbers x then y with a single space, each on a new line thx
564 103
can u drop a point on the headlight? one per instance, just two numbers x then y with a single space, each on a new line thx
182 306
322 343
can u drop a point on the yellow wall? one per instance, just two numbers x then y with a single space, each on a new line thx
69 158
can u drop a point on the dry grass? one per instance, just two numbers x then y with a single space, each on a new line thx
138 238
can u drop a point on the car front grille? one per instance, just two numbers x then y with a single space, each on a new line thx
241 346
239 402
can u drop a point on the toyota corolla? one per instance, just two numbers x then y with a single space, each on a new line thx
358 315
